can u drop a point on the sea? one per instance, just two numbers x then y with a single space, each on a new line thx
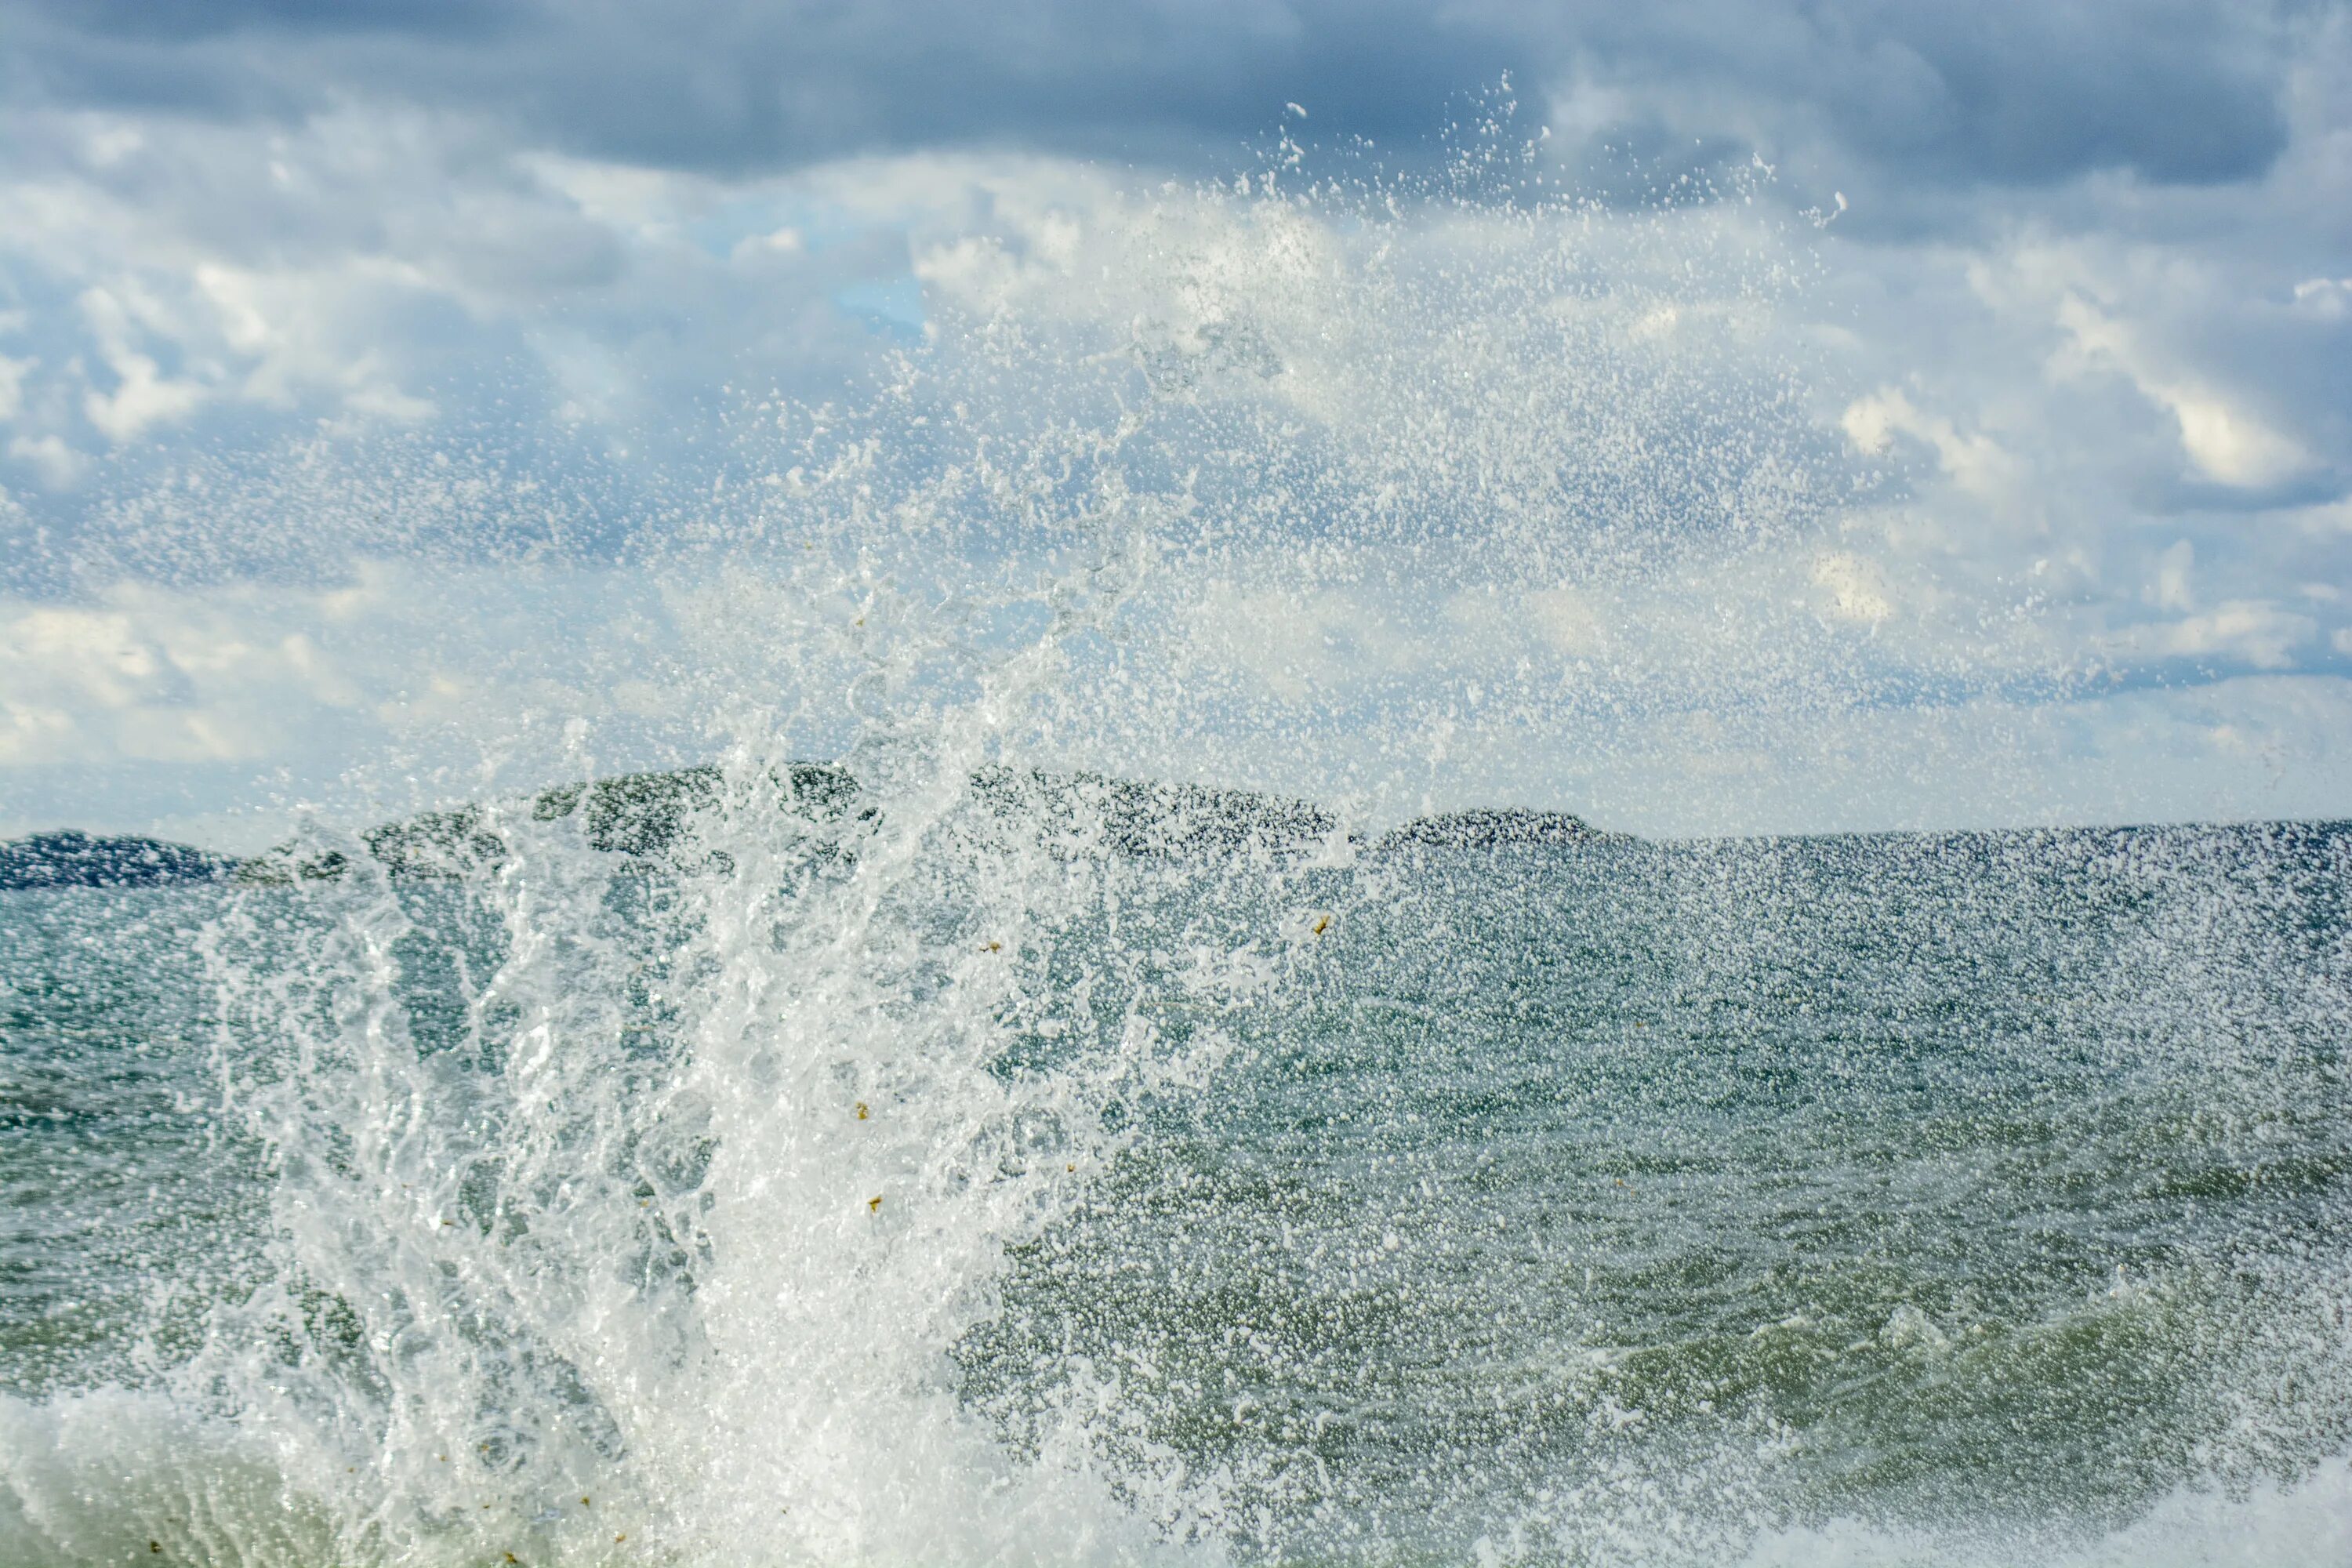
961 1186
933 1169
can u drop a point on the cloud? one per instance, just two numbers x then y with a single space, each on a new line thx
2043 410
2226 443
2250 632
12 384
1857 588
54 464
143 394
133 681
2176 90
1973 460
229 288
108 704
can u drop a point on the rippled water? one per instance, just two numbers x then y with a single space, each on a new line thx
1916 1199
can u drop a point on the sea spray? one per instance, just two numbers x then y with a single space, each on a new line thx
673 1191
947 1168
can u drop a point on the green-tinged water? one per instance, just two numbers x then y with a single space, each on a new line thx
1962 1199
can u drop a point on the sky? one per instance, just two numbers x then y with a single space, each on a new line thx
1907 416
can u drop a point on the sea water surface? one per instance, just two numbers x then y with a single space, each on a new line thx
1970 1199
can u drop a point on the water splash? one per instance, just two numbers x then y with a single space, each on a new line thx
692 1210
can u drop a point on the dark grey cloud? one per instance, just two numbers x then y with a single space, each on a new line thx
130 18
735 88
2008 93
2012 93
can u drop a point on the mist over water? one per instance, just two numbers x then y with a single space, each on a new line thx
952 1176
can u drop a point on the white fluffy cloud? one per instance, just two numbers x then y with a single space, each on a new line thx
269 692
2041 435
380 268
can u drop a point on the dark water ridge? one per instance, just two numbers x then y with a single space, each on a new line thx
69 859
643 818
